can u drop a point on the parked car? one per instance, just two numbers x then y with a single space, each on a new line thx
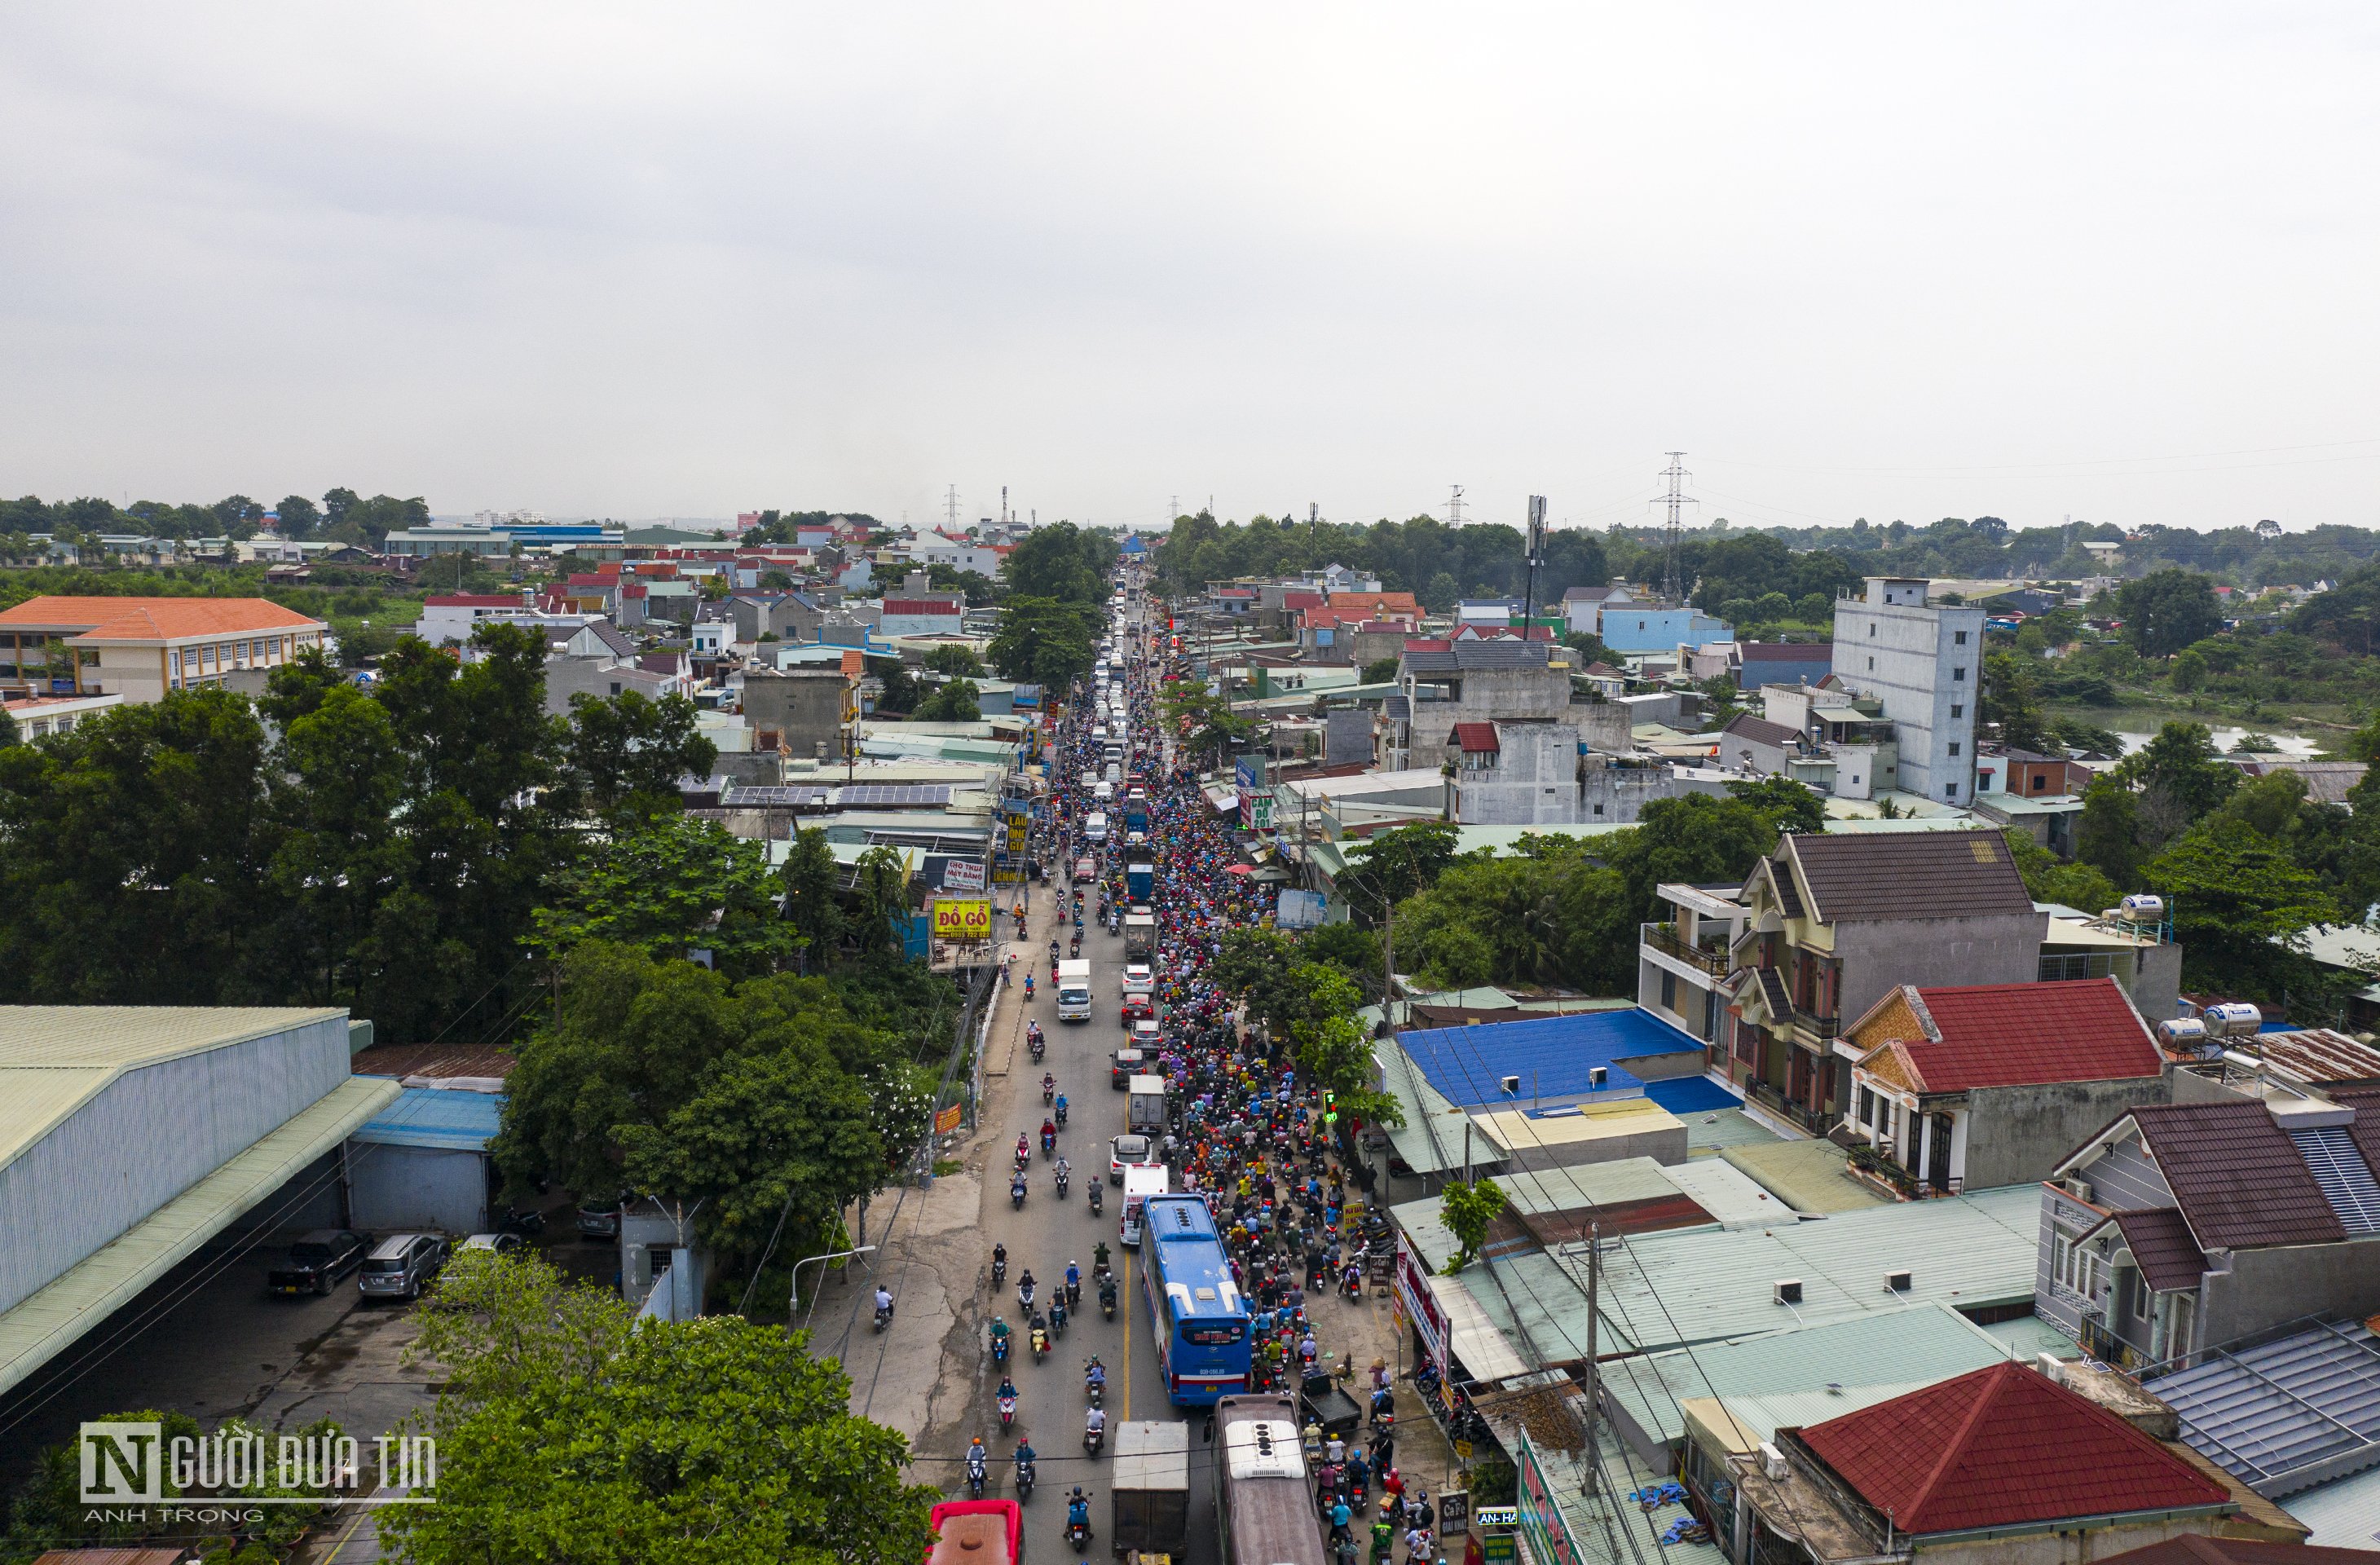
600 1220
1127 1152
492 1244
316 1261
400 1265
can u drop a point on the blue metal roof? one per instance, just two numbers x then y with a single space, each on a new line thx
1691 1095
1551 1055
438 1117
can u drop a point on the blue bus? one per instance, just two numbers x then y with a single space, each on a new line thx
1195 1308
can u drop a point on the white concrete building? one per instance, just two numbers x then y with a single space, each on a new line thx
1924 663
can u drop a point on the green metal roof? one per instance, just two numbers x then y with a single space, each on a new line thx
1711 1131
87 1292
1806 1175
1914 1345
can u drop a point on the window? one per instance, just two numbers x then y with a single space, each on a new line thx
615 687
1669 989
1599 809
1954 746
1870 665
1950 789
1958 638
1871 630
1956 712
1958 674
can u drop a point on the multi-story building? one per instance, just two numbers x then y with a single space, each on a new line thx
1682 961
1922 662
1443 683
1514 774
1835 923
140 647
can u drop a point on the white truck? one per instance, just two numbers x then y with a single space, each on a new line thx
1140 1182
1075 990
1094 825
1143 1112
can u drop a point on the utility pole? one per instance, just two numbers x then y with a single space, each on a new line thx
1003 506
1672 590
1454 507
1594 1380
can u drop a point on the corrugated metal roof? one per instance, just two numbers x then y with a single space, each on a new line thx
439 1117
1426 1110
2343 1514
83 1296
1552 1055
2284 1414
1721 1189
1809 1176
1969 1250
1914 1344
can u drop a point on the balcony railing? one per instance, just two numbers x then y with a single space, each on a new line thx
1814 1024
1664 937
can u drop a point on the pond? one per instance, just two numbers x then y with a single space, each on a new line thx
2287 743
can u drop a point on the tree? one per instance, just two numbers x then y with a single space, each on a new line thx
1256 964
1789 806
1060 562
2011 703
776 582
811 879
1393 865
2240 909
1380 670
2346 615
625 753
1332 1050
1046 642
1694 839
2180 776
1350 948
1209 726
566 1427
2107 836
668 887
299 516
900 692
952 702
1468 1210
8 731
2168 610
2049 879
2189 670
956 658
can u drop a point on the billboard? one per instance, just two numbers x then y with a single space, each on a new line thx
963 875
962 919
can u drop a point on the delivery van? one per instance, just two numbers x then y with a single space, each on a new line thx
1095 827
1075 990
1140 1182
1143 1112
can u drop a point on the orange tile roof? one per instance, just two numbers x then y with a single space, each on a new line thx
154 619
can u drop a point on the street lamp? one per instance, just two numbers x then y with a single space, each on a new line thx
796 1296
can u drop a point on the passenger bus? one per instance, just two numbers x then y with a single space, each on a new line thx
1264 1502
1195 1308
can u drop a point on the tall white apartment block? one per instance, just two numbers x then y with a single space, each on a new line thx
1925 662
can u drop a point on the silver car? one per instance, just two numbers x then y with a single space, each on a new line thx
400 1264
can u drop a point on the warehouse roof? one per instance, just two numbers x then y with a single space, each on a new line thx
436 1117
56 1058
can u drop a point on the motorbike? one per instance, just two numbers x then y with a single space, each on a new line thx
1096 1197
883 1316
1000 1350
1078 1534
1048 1142
1025 1296
1062 1185
1074 1294
977 1477
1057 1318
1038 1046
516 1220
1000 1271
1048 1092
1024 1159
1062 1113
1107 1299
1016 1192
1095 1386
1024 1476
1007 1413
1028 984
1092 1440
1040 1343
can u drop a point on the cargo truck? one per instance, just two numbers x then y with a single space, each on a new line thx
1140 883
1143 1112
1151 1485
1140 937
1075 990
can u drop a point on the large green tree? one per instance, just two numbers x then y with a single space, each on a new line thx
1060 562
2168 610
1046 642
568 1431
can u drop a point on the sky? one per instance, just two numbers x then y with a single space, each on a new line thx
2114 263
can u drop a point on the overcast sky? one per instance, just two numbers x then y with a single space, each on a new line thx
2113 261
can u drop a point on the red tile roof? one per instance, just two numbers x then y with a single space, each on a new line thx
944 608
2019 1035
1476 737
1301 599
1999 1448
473 601
154 619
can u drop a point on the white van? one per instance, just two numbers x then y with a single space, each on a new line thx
1103 792
1095 827
1075 990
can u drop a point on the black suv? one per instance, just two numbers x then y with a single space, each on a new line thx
316 1261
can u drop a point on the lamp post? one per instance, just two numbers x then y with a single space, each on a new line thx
830 1255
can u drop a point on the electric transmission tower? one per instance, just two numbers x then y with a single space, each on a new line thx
1454 507
950 509
1671 588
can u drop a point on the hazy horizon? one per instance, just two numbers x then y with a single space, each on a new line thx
1853 261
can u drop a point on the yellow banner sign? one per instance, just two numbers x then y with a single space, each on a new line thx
948 1120
962 919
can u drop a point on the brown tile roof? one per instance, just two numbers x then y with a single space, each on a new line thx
2237 1176
1789 896
1909 875
2192 1549
436 1060
1760 730
2162 1247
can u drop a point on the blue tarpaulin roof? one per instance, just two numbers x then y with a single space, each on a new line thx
1691 1095
424 1116
1551 1055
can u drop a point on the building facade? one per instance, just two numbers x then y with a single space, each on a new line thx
140 647
1922 662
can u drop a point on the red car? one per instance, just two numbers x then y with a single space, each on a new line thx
1137 1008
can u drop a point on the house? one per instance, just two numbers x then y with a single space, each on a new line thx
1514 774
422 1162
1922 662
1835 922
922 616
2030 774
1682 961
2180 1227
1634 629
1756 745
1999 1466
1580 606
447 619
1443 683
1782 663
804 711
1985 1085
140 647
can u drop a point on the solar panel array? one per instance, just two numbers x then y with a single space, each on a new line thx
883 794
771 797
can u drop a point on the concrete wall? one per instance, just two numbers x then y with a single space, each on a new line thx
804 707
1933 951
2016 1134
147 1136
401 1189
1619 793
597 678
1924 663
2268 1288
1533 781
1607 726
2156 985
1694 1013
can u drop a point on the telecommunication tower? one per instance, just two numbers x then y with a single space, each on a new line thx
1671 588
1537 558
